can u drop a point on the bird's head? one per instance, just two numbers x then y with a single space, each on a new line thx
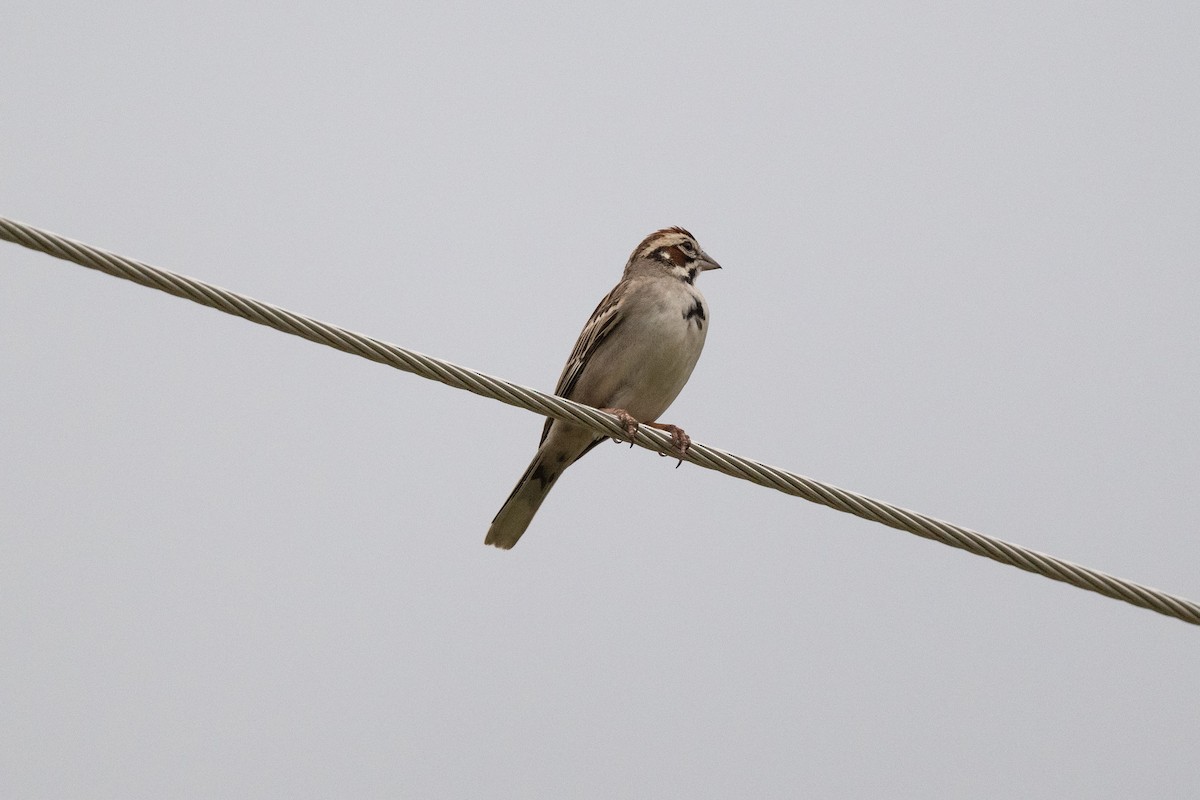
675 251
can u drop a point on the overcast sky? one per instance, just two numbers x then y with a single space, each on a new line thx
960 248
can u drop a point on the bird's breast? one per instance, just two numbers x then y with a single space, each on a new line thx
654 358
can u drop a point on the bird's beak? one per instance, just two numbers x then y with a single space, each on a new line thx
707 262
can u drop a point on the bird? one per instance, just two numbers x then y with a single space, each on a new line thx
633 357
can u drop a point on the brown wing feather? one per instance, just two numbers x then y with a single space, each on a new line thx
604 320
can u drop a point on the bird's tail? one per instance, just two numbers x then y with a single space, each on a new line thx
518 510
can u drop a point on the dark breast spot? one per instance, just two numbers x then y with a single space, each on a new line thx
696 312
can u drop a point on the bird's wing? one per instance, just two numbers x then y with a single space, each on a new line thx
605 319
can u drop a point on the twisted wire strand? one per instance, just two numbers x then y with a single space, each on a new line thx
549 405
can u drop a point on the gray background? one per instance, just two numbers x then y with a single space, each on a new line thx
960 275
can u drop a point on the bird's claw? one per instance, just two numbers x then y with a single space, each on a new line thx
627 422
679 439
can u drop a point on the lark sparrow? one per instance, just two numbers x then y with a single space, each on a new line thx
632 359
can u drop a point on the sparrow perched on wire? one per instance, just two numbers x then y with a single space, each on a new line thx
632 359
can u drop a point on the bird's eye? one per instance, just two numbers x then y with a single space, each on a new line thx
687 248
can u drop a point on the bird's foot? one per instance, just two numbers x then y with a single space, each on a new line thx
678 438
627 421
